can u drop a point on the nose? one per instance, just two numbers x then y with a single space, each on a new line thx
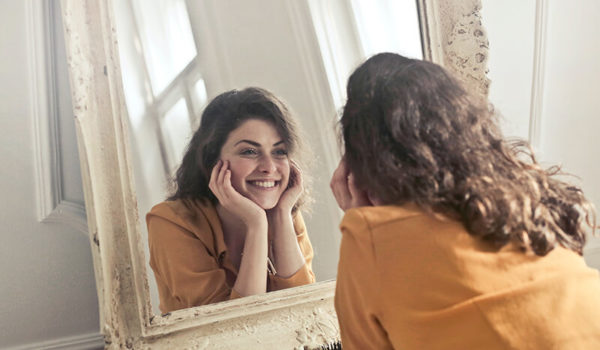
266 165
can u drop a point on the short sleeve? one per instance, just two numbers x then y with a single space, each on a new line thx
187 274
357 287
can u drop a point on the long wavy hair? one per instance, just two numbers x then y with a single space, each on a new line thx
413 133
222 115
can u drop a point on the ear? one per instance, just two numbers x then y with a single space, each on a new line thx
374 200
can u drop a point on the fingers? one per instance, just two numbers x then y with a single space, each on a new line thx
294 189
295 175
213 182
226 182
222 172
345 190
220 181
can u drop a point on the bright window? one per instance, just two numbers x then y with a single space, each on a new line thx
349 31
166 37
162 79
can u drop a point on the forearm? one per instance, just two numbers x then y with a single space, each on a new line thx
252 275
287 256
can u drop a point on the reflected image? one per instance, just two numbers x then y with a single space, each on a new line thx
186 68
233 226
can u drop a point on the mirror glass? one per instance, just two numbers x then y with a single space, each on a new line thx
177 55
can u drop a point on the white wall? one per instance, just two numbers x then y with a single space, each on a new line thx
510 28
47 288
571 103
562 98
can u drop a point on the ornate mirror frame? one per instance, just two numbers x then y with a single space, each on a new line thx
301 318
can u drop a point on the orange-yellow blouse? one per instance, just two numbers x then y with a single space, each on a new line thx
189 257
407 280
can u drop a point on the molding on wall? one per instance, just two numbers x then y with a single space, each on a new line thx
51 205
90 341
537 88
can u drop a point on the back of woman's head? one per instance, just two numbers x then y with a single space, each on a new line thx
413 133
222 115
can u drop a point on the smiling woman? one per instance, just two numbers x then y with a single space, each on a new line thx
232 228
257 161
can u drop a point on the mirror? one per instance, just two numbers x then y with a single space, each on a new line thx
175 56
301 317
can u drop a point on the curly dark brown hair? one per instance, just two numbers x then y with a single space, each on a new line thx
221 116
413 133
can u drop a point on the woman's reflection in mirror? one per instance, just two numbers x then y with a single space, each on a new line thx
233 226
453 237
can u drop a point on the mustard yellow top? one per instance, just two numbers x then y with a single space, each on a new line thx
407 280
189 257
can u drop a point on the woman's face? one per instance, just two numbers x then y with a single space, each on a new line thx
258 161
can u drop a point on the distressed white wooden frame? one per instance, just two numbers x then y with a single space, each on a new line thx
300 318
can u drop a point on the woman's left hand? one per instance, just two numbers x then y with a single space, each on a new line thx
344 189
290 196
286 253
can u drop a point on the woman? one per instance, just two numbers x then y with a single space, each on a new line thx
451 240
233 226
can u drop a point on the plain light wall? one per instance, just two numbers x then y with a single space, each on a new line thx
570 71
571 109
510 28
47 284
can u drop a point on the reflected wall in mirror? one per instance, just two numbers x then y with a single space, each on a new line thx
176 56
310 80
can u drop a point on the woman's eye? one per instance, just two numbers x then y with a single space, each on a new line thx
249 152
280 153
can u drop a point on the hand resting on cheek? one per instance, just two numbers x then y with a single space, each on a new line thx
293 191
344 188
244 208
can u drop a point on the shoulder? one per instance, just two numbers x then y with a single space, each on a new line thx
192 215
390 229
371 218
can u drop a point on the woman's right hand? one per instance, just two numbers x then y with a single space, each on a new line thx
244 208
345 191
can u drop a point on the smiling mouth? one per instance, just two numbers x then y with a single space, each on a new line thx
264 184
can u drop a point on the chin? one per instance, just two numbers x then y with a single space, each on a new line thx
266 205
266 202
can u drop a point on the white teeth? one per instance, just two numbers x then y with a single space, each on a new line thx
265 184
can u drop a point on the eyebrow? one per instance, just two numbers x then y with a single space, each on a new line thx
256 144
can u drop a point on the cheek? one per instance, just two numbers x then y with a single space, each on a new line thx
239 170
